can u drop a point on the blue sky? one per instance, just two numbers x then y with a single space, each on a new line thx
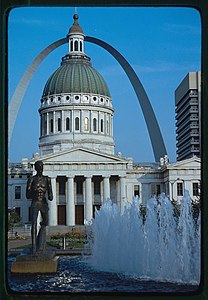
161 44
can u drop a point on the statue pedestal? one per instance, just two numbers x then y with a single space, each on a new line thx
38 263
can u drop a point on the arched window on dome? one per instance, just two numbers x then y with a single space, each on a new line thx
59 124
86 124
76 45
71 46
77 123
101 125
94 124
51 125
67 124
80 45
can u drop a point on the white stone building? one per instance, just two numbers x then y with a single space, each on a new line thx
77 149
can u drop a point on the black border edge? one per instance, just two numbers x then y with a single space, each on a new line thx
6 6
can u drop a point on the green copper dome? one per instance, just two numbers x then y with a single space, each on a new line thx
76 75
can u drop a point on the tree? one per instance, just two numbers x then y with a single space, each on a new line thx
13 219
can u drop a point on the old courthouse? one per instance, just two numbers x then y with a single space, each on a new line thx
77 148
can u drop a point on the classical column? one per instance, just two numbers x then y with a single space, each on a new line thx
54 122
106 187
72 120
52 214
63 127
48 125
88 199
70 206
123 192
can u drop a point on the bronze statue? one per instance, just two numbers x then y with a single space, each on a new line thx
37 188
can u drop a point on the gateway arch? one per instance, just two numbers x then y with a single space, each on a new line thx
156 138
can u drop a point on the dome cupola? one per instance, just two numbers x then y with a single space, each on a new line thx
76 38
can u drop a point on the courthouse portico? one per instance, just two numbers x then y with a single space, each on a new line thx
82 180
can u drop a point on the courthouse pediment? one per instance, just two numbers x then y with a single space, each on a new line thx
193 162
80 155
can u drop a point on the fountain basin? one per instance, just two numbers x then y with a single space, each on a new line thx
76 275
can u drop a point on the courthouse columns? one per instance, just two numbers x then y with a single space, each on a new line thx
88 199
52 214
70 206
106 187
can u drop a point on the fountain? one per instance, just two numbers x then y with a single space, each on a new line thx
157 245
146 249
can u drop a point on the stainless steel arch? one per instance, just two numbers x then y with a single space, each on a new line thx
22 86
151 121
150 118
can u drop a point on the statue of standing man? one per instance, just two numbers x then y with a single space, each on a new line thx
37 188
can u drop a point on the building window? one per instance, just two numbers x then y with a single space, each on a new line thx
17 192
96 187
79 187
59 124
71 45
101 125
136 191
86 124
76 123
94 124
155 189
76 46
179 189
51 125
80 46
67 124
62 187
195 187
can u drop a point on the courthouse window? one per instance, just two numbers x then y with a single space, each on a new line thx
51 125
155 189
67 123
179 189
136 191
94 124
195 189
101 125
59 124
62 187
76 45
79 187
17 192
86 124
97 187
76 123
